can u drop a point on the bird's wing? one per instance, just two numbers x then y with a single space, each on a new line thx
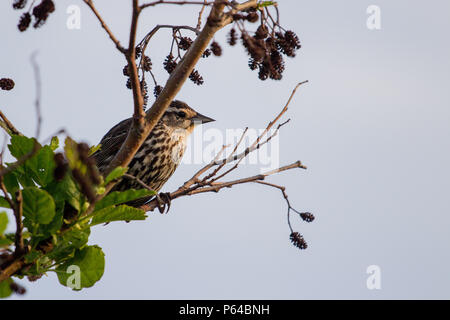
111 143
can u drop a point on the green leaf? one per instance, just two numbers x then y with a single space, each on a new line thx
11 183
65 190
54 144
120 213
71 240
42 165
20 146
38 205
5 288
70 149
3 222
265 4
118 197
115 174
39 168
46 230
32 256
4 203
91 263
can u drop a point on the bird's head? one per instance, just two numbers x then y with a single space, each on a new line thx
180 116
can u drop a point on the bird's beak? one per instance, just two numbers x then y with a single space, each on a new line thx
201 119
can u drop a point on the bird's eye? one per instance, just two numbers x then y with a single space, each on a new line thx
182 114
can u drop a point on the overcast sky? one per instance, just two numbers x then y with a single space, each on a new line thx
372 125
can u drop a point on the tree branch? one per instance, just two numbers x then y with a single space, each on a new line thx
105 26
8 126
154 3
137 135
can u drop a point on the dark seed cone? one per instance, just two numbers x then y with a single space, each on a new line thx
206 53
196 77
232 37
169 64
252 64
42 11
24 22
17 288
307 216
216 49
185 43
147 64
261 32
7 84
125 71
19 4
128 83
255 48
298 240
252 17
138 52
238 16
157 90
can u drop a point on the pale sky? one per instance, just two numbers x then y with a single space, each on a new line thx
372 125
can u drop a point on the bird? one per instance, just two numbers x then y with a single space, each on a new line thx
159 155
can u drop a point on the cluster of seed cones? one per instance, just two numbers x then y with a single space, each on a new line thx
39 13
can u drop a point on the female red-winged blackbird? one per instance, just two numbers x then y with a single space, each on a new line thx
159 155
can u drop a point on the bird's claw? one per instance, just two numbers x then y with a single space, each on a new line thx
163 199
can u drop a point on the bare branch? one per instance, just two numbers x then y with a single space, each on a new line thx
216 187
154 3
8 126
18 214
137 134
105 26
22 160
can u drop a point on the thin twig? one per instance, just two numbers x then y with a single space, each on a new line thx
105 26
154 3
18 213
139 181
22 160
8 126
199 19
37 102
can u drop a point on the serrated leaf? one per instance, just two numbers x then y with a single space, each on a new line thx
5 288
120 213
119 197
4 203
20 146
42 165
38 168
69 242
65 190
3 222
115 174
91 263
38 205
11 183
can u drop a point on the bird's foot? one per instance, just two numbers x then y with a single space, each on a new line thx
163 199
